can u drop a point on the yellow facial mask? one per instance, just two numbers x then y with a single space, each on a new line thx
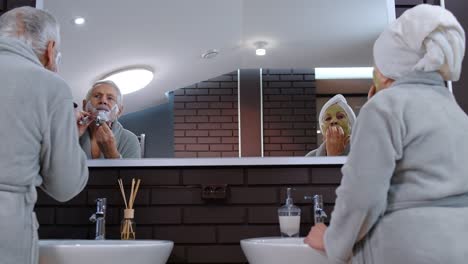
375 80
335 115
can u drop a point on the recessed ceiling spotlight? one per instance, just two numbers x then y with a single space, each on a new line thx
79 20
260 48
260 52
131 79
209 54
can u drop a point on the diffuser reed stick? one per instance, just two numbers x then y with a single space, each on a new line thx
127 230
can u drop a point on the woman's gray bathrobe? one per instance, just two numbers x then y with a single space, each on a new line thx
321 151
403 197
38 147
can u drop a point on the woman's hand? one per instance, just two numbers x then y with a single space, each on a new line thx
335 141
315 237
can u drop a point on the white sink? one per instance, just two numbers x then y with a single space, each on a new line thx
104 251
276 250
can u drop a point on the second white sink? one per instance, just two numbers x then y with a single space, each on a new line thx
104 251
276 250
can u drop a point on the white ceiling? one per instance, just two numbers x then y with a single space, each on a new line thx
170 35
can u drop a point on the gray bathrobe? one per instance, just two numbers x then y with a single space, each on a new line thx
39 147
127 142
403 197
321 151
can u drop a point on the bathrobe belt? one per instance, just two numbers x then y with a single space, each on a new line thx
30 194
451 201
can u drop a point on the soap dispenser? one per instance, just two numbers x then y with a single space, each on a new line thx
289 217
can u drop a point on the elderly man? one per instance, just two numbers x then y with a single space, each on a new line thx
39 138
102 136
403 197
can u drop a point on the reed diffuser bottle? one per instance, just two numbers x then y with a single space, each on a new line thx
128 225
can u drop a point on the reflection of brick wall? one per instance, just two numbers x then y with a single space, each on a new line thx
205 119
289 112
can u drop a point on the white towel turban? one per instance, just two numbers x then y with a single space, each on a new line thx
341 101
425 38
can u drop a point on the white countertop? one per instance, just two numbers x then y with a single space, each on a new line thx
216 162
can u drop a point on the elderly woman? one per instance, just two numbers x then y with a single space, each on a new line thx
336 120
404 192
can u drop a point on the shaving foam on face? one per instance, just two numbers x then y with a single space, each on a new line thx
102 115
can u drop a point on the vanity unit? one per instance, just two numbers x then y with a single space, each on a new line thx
206 206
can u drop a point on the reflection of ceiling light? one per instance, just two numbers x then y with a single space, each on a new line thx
344 73
260 52
260 48
319 132
209 54
79 21
131 80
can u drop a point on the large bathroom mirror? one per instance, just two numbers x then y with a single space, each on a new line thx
195 48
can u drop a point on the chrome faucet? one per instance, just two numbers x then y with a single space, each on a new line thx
319 213
100 218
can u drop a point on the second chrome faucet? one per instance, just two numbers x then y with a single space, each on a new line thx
99 217
317 210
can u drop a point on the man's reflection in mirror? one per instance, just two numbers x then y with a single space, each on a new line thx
336 120
101 134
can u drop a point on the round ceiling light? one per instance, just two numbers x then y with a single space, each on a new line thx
260 49
131 80
79 20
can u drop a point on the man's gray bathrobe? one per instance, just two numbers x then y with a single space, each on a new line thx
38 147
127 142
403 197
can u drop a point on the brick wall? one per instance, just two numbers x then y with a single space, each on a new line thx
169 206
289 112
402 5
206 119
6 5
459 7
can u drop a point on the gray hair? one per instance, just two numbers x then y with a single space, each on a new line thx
110 83
32 26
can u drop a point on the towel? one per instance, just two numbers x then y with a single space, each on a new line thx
425 38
